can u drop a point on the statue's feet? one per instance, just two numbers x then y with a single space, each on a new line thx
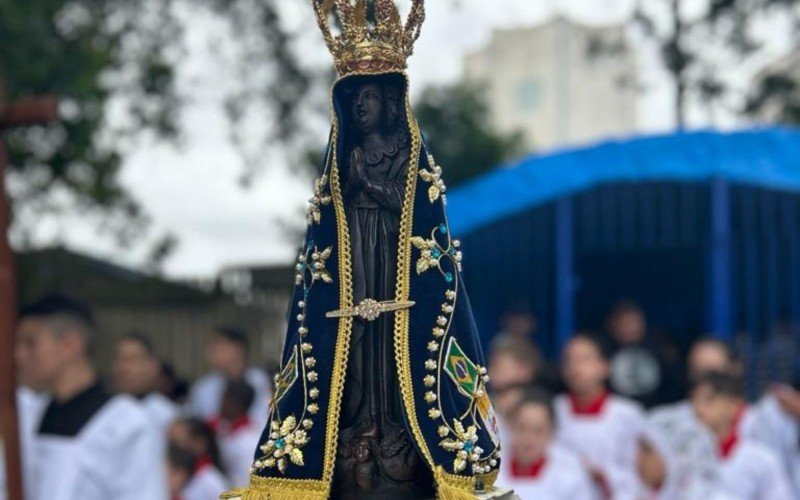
380 464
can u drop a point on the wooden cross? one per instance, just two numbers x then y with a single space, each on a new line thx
24 113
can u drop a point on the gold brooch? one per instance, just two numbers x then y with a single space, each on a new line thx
369 309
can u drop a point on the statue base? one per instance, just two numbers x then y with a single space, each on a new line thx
496 494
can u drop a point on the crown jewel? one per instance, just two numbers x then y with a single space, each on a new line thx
367 47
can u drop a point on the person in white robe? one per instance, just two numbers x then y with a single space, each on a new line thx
535 467
777 425
237 434
206 483
190 480
226 354
707 355
88 444
504 401
207 480
748 469
600 428
136 369
768 421
679 464
29 407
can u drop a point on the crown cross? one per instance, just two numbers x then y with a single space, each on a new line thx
369 47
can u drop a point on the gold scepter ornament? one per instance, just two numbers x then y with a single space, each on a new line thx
370 309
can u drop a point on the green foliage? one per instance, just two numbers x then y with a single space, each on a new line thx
456 124
66 49
691 50
95 54
776 94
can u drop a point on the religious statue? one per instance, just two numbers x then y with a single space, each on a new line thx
382 388
376 453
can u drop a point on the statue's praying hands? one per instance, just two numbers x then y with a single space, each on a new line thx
358 172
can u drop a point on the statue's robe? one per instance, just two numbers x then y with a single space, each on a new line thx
439 373
372 407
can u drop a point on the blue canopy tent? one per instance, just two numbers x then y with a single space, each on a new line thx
702 228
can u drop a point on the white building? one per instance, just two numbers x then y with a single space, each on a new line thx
545 82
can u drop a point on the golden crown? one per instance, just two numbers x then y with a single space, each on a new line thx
367 47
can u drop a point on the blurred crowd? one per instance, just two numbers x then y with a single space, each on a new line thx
143 433
621 416
624 416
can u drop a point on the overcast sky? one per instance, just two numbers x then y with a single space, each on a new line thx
193 191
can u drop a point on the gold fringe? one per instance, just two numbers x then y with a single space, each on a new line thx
489 479
251 494
265 488
233 494
451 487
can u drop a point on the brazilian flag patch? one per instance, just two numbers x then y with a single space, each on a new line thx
462 370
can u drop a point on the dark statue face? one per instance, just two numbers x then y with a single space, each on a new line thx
368 108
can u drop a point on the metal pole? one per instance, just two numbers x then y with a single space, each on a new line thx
8 384
719 287
564 273
26 112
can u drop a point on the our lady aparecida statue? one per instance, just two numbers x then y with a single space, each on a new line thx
382 390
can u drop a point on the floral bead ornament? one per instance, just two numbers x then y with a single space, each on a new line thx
453 388
287 436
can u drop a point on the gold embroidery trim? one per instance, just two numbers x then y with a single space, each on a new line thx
271 487
403 286
345 324
447 485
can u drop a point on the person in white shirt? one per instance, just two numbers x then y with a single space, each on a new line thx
779 425
206 480
514 361
88 444
767 422
180 468
504 402
29 409
514 365
707 355
237 435
600 428
136 370
675 465
748 469
227 353
641 368
535 467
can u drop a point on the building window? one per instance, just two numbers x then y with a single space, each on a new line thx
527 94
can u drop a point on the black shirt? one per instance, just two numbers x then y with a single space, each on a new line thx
68 418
